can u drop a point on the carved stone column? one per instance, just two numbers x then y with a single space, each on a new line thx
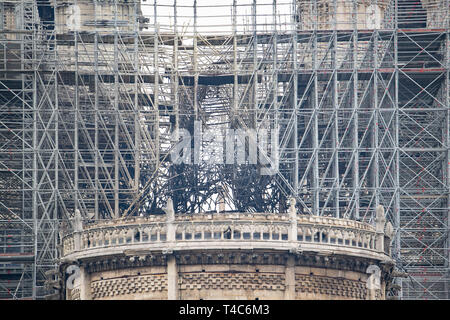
172 269
172 278
289 293
85 284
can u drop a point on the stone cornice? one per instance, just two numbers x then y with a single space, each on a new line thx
230 257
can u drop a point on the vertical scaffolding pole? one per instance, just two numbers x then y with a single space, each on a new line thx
397 226
35 209
255 110
175 69
355 103
96 119
116 115
235 67
376 112
156 83
295 96
447 94
315 129
276 114
76 121
195 61
137 108
335 133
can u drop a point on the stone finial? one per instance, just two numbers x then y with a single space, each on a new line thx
389 230
78 221
292 235
380 219
169 210
62 230
389 236
292 209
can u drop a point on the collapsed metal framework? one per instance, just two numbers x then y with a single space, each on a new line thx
91 91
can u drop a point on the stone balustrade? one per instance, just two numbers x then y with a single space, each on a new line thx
225 230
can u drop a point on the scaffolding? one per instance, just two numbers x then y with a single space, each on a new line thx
91 92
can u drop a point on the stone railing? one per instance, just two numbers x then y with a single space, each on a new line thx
238 230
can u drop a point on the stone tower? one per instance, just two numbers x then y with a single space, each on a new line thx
229 256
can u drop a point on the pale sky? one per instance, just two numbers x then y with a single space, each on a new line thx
215 16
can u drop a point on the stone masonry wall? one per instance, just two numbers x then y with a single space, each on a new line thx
232 281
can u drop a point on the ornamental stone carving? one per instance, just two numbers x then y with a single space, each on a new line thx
373 282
